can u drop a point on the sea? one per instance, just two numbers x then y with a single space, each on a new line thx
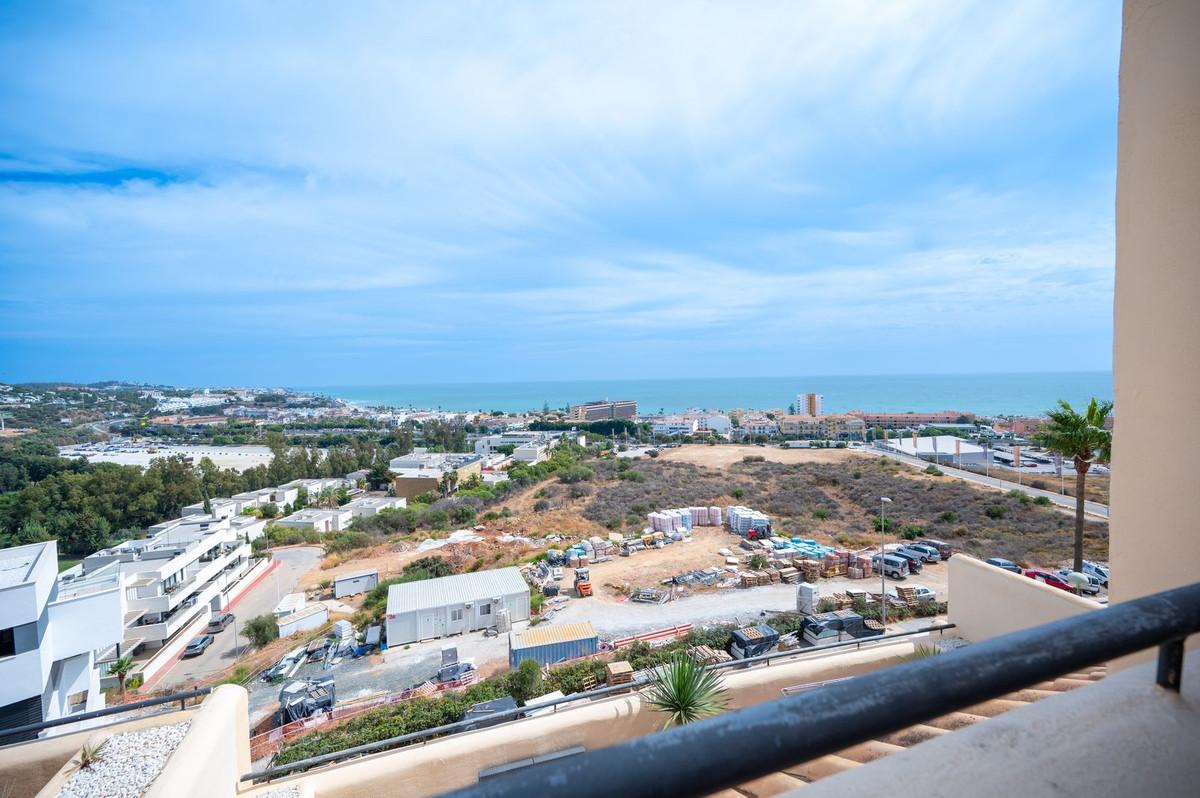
986 394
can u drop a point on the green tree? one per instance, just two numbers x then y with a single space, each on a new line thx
526 681
1083 438
261 629
121 669
269 510
686 691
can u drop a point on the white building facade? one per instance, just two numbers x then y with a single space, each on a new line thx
51 632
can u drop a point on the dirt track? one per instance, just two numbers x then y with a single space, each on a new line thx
725 456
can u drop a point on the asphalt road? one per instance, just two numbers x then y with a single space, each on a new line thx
262 598
995 482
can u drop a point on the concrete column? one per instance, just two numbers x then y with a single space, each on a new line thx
1155 520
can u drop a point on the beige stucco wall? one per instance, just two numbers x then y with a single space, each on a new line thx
26 768
456 761
986 601
1156 353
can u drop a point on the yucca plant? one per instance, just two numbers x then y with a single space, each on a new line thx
89 755
686 691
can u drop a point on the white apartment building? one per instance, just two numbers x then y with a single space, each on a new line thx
713 422
368 506
760 425
529 446
810 404
51 631
172 578
318 520
674 425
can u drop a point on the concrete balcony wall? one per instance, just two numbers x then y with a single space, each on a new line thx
986 601
19 604
1123 735
21 675
91 622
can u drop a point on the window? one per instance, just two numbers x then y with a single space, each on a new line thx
485 609
8 643
77 701
456 615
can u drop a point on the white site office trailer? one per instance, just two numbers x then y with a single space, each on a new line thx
455 604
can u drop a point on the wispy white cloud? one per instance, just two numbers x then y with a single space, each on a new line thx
525 179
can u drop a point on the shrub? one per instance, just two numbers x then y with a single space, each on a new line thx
737 493
821 513
577 473
996 511
912 531
1043 501
653 453
632 476
934 471
759 561
437 519
261 630
491 515
541 505
463 514
1019 495
948 517
1039 484
754 458
526 681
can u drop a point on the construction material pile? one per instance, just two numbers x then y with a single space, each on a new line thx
743 519
682 519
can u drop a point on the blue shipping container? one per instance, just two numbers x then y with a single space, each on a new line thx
548 645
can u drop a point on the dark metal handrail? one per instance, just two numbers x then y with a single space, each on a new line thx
515 714
739 746
101 713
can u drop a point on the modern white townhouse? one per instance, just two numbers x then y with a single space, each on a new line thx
172 581
52 631
674 425
528 446
368 506
318 520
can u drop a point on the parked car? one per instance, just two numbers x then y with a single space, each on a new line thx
890 565
923 593
914 559
1007 565
197 646
943 549
220 621
1097 570
928 553
1073 577
1048 578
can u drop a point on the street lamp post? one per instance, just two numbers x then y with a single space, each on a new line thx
883 500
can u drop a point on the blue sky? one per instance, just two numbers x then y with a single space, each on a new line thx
384 193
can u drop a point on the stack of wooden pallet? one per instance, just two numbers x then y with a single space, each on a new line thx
424 690
755 578
773 576
619 673
907 596
789 576
810 568
842 600
853 572
873 625
710 656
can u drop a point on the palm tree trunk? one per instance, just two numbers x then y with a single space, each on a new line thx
1080 479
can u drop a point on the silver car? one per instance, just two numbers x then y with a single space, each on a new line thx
926 553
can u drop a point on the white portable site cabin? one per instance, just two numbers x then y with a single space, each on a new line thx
455 604
353 584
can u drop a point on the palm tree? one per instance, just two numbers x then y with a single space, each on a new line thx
686 691
121 669
1083 438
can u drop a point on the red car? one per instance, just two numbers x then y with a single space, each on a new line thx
1054 580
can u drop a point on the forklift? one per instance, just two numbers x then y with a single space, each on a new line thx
583 582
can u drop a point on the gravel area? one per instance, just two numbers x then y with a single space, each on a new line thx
281 792
126 764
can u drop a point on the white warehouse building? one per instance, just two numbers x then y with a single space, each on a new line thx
455 604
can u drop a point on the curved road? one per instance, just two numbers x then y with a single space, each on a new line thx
994 482
261 599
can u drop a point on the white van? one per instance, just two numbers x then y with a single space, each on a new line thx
890 565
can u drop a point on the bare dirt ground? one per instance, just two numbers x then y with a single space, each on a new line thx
725 456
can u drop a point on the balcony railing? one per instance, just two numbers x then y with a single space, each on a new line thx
747 744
